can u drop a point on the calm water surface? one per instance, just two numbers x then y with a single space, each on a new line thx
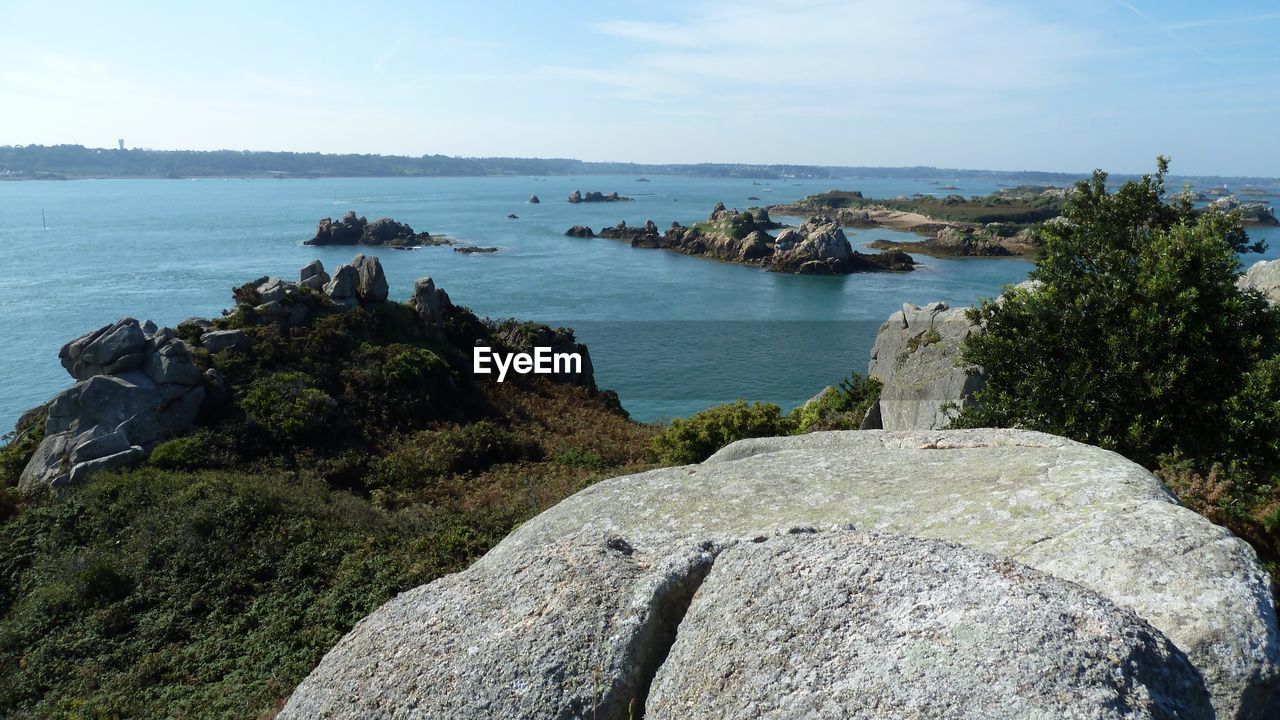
672 334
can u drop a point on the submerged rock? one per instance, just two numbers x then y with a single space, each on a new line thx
795 617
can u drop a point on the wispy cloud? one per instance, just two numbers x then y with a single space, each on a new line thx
846 52
1223 21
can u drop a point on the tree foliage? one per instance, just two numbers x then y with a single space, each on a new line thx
1138 338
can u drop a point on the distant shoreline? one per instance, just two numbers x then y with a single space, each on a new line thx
76 162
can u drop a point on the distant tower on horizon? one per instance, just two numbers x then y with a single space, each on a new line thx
120 142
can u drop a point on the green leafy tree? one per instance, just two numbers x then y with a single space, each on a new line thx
1138 339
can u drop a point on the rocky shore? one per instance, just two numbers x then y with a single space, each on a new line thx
818 247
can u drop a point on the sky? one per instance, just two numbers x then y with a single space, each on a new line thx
1050 85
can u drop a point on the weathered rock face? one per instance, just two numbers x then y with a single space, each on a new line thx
915 358
576 621
430 301
520 632
138 385
115 348
844 624
346 231
1263 276
579 231
342 287
371 285
215 341
385 231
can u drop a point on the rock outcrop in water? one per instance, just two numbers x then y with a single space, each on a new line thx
818 247
1012 574
383 232
596 197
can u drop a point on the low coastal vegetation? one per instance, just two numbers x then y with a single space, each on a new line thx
1022 205
698 437
336 463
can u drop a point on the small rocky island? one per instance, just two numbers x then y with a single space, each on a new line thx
1002 224
818 247
383 232
596 197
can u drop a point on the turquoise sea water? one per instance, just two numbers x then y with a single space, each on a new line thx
672 334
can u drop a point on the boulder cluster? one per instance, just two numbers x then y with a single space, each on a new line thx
383 232
977 573
138 384
818 247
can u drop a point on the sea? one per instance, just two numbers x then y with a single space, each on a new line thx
671 334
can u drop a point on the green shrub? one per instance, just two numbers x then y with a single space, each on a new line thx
433 454
1138 340
18 446
699 436
581 458
193 452
841 408
288 407
397 387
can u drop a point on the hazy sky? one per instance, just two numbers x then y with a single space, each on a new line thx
955 83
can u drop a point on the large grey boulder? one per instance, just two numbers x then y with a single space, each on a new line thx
570 629
215 341
110 349
147 411
372 286
847 624
313 276
172 363
1072 511
839 624
342 287
1263 276
430 301
915 357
